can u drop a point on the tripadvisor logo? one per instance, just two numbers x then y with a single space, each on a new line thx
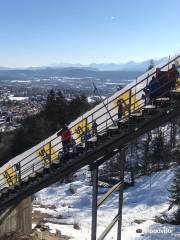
161 230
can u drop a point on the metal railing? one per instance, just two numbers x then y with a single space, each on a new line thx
38 160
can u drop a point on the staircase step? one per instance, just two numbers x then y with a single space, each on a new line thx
55 162
162 102
149 107
4 192
40 171
32 175
46 170
113 130
175 94
17 186
122 123
102 136
136 116
92 142
80 148
25 181
162 99
149 110
103 133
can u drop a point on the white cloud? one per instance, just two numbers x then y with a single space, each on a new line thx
113 18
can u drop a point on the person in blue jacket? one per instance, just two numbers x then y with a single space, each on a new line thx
152 91
154 87
94 128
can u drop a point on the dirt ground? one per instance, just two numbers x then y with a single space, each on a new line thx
38 217
17 236
41 232
36 235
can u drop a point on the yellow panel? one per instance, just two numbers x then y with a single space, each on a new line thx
10 175
80 128
178 83
134 104
125 96
44 153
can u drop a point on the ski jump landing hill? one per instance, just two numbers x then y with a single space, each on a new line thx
41 166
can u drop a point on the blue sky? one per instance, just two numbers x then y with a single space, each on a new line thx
42 32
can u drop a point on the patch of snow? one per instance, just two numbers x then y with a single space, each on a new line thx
33 225
147 199
45 210
12 98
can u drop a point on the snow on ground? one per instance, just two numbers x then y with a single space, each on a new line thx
12 98
147 199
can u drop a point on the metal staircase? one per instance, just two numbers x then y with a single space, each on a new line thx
48 164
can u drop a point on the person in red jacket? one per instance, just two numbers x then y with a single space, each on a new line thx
66 137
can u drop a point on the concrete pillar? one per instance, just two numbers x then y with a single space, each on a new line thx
17 218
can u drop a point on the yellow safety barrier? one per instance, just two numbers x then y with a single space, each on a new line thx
47 153
10 175
178 83
80 128
125 97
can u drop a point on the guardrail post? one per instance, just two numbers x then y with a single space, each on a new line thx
50 155
121 156
107 117
19 172
85 135
145 92
18 169
33 168
94 203
147 80
129 106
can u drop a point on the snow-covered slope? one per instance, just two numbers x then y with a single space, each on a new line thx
147 199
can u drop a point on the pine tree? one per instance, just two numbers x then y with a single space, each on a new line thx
158 148
175 188
146 150
151 65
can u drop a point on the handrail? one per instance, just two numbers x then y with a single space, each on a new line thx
100 126
88 123
89 115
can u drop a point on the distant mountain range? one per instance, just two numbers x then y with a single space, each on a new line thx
81 73
104 71
129 66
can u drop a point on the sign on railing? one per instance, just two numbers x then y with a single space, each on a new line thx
80 129
10 175
47 154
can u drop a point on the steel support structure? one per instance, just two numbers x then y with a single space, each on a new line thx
122 158
107 148
94 203
97 203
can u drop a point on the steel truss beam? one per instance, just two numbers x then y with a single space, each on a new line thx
97 203
109 192
94 203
